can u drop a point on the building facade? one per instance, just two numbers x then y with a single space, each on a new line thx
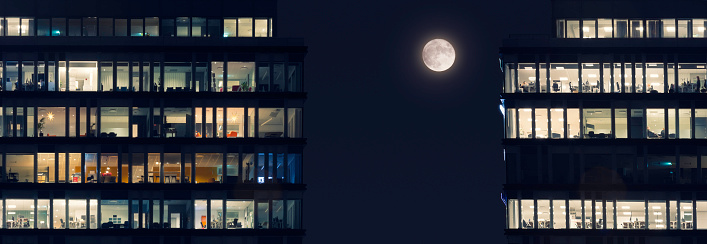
149 122
606 125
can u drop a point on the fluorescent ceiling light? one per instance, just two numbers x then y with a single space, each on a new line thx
531 78
559 68
654 75
607 29
670 29
563 78
529 68
592 75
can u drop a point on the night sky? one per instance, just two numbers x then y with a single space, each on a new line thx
397 153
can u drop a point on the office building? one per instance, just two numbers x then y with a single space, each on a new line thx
606 125
149 122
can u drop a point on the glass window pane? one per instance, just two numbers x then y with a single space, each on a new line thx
698 28
114 122
239 214
671 132
229 27
685 123
245 27
573 30
653 28
526 78
544 214
214 28
686 215
20 168
82 76
604 28
20 213
114 214
183 26
636 28
235 125
610 215
263 214
655 79
597 123
106 26
294 77
216 214
573 129
557 122
136 27
45 168
168 27
121 27
93 205
701 214
590 78
152 27
138 164
559 210
59 210
241 77
541 130
564 78
620 28
668 28
74 27
123 75
172 167
153 169
75 168
177 77
62 168
232 168
176 122
525 122
91 168
683 28
176 214
560 28
621 122
630 214
628 78
270 122
90 26
77 214
13 26
575 212
198 27
511 123
656 123
58 27
657 215
43 27
261 28
209 167
200 215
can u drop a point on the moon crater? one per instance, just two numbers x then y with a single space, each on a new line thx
438 55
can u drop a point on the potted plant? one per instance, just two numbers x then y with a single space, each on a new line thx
40 126
245 86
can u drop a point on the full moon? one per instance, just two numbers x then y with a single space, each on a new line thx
438 55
